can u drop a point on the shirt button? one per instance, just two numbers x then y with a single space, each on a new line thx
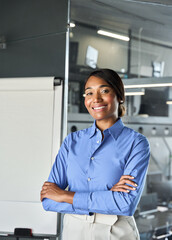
97 130
89 179
92 158
98 141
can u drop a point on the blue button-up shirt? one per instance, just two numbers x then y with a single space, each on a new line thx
90 167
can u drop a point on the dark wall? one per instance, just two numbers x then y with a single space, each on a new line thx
35 33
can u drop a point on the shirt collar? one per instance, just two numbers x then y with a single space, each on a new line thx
115 130
93 129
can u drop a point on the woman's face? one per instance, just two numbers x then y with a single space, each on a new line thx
100 99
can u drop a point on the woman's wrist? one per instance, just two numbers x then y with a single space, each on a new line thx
68 197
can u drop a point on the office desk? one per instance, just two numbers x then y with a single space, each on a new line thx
160 219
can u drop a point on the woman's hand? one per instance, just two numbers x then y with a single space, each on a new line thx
122 186
53 192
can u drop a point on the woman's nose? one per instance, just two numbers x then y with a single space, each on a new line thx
97 97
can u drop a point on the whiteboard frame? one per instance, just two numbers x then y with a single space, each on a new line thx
17 211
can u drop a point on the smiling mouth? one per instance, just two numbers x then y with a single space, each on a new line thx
97 108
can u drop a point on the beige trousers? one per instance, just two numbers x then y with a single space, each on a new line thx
99 227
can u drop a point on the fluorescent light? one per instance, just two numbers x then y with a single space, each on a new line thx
113 35
147 82
169 102
149 85
72 24
134 92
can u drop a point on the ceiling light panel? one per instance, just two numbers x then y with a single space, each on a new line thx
113 35
147 82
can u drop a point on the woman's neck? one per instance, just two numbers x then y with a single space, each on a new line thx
105 123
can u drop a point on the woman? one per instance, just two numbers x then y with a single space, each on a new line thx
104 166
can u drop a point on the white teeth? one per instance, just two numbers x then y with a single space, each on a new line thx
99 107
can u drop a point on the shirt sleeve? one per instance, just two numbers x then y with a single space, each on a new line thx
58 176
119 203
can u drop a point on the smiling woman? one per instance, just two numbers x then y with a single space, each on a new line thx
104 97
104 167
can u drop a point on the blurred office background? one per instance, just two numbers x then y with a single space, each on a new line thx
141 55
132 37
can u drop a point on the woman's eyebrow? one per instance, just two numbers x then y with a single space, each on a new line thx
101 86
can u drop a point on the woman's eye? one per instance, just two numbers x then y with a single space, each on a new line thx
105 91
89 93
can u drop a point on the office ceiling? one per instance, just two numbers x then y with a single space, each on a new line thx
153 18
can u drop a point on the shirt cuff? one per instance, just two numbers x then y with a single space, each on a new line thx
80 201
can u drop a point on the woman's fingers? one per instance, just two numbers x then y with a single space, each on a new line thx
127 176
51 191
42 195
120 190
49 185
125 184
44 191
124 181
124 187
46 186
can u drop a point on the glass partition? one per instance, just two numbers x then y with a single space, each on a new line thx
144 57
130 37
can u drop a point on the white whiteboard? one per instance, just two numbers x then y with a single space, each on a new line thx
30 130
